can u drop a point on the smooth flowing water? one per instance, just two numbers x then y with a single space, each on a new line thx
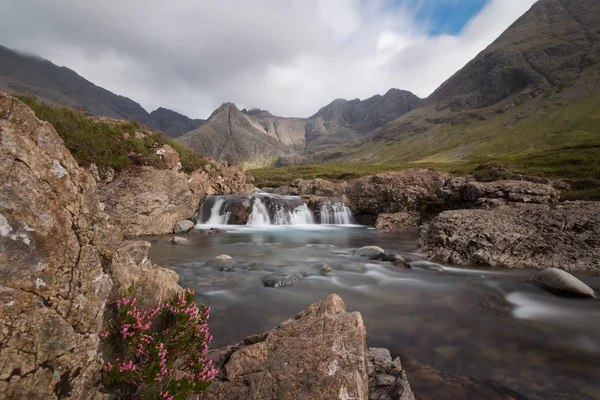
464 333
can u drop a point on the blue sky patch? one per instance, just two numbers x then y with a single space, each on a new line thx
444 16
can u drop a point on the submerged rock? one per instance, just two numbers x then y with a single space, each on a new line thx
321 354
325 269
280 280
395 259
178 240
560 282
223 258
370 252
184 226
427 265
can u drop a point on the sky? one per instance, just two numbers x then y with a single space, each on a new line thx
290 57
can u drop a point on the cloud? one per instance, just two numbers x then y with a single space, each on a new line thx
288 56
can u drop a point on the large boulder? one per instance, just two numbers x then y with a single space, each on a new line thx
148 201
565 236
370 252
321 354
560 282
183 226
152 284
393 192
53 244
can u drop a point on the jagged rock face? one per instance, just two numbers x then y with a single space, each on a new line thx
152 284
510 191
393 192
321 354
547 49
398 221
564 236
342 120
53 287
229 135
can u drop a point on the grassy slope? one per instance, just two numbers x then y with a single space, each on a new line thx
108 145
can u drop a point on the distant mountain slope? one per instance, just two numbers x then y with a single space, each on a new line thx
536 88
230 135
284 141
172 123
35 76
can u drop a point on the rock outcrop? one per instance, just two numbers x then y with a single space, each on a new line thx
565 236
505 192
53 280
321 354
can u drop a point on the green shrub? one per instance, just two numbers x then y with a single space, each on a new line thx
159 354
109 145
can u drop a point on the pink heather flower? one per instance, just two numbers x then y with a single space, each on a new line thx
104 335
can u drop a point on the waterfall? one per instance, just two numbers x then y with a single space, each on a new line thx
259 214
335 213
260 209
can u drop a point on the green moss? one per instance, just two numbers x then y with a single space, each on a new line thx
109 145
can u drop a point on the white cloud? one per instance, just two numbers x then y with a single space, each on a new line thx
288 56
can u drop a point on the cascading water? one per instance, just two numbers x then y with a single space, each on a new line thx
335 213
265 209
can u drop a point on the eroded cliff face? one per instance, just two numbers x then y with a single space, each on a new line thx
53 280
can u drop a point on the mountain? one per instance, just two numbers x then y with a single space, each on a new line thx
230 135
536 88
172 123
35 76
298 139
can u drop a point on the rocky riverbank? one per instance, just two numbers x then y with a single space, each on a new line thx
504 223
63 263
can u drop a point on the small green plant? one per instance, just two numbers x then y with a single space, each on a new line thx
159 354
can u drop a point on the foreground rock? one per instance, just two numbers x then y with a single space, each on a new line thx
321 354
565 236
560 282
53 245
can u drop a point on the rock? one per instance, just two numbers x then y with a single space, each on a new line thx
387 380
321 354
560 282
178 240
109 175
397 221
169 157
325 269
53 288
427 265
370 252
240 213
277 280
318 187
223 259
513 191
148 201
565 236
152 284
395 259
184 226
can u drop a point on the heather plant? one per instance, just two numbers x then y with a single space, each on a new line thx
161 353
